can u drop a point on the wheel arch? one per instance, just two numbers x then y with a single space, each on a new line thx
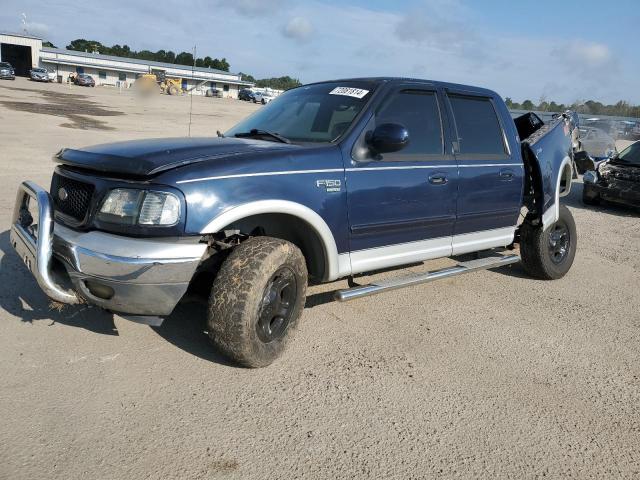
563 188
289 221
535 188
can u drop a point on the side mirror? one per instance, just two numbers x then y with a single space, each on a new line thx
387 138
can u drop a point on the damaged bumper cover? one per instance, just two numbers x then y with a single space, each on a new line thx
615 184
139 277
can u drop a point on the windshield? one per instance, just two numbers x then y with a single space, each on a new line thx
5 65
630 155
39 70
313 113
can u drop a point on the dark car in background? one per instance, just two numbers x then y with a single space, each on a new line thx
246 95
616 180
6 71
85 80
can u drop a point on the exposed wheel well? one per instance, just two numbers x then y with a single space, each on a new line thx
289 228
566 176
533 197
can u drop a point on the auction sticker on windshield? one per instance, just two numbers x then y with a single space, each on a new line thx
349 92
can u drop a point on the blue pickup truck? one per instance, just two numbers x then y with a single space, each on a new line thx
328 181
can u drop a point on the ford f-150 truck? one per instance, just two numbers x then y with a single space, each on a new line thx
327 181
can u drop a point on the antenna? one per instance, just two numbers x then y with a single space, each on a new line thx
23 20
193 68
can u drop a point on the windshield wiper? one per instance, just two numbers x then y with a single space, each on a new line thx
255 132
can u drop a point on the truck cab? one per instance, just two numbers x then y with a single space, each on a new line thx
327 181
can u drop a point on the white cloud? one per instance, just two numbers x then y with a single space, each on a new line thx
37 29
253 8
586 55
317 40
298 28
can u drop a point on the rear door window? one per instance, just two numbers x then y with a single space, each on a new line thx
419 113
478 128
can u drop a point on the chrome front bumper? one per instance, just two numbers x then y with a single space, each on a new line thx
132 276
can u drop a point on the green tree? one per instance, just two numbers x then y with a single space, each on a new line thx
279 83
48 44
527 105
245 77
184 58
82 45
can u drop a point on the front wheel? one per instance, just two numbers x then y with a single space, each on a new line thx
548 254
256 300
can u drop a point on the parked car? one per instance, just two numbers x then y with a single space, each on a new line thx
213 92
246 95
262 97
84 80
596 142
615 180
328 181
41 75
6 71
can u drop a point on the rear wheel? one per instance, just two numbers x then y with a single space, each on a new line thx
548 254
256 300
172 90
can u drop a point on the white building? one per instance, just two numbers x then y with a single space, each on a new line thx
25 52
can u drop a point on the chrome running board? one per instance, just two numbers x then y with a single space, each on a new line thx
485 263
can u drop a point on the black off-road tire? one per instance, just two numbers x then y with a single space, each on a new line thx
538 250
246 293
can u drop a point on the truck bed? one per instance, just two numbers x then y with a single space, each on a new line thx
548 147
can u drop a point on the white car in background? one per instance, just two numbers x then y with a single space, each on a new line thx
596 142
262 97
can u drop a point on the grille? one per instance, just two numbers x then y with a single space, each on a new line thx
77 199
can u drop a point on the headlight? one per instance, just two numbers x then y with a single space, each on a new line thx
141 207
159 209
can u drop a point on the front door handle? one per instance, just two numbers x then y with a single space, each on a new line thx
506 175
438 179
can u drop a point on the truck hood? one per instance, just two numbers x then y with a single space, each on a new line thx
140 158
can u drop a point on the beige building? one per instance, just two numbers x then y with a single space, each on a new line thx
25 52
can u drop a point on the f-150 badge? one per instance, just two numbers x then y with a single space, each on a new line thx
329 185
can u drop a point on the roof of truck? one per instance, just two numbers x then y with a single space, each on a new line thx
452 86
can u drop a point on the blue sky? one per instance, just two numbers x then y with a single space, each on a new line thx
561 50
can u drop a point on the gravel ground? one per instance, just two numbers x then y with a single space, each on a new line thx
490 375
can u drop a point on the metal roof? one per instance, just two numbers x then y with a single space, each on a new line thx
23 35
135 61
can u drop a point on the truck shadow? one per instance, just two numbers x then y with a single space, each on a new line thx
22 297
186 328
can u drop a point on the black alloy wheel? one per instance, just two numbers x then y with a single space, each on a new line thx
277 305
559 242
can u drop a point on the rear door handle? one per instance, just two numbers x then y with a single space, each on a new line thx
506 175
438 179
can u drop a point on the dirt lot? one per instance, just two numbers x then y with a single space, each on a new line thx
489 375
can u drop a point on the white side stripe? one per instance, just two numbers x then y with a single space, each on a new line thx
406 167
360 169
471 165
261 174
